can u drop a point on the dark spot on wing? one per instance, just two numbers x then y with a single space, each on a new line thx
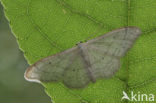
114 37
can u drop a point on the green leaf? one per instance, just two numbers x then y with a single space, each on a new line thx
46 27
0 13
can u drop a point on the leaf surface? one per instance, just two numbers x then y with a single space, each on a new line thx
46 27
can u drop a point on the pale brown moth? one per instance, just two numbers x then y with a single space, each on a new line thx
86 62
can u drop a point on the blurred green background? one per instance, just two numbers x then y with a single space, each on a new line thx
13 87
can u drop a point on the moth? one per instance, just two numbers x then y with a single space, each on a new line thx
86 62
